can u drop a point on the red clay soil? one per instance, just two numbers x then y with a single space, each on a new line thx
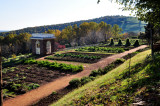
33 96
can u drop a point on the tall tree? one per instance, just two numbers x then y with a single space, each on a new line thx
83 30
116 30
105 29
76 32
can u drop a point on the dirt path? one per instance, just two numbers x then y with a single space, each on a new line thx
33 96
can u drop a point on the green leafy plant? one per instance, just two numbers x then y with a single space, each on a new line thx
33 86
75 83
85 80
95 73
119 61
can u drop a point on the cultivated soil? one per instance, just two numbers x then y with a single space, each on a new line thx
30 74
83 60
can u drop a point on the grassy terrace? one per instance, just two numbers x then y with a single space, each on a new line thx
119 86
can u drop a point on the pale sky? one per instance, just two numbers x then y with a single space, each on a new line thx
18 14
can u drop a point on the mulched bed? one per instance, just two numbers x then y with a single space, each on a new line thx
81 59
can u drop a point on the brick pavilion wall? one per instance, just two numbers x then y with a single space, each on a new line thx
43 43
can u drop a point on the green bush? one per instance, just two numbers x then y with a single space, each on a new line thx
75 83
119 42
127 43
85 80
92 78
111 43
119 61
95 73
136 44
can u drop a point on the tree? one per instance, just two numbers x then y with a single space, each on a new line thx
22 42
92 34
10 40
83 30
67 35
57 35
116 31
103 28
76 32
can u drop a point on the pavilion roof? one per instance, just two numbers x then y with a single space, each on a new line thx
42 36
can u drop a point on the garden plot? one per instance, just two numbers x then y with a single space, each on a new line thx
101 49
78 57
25 77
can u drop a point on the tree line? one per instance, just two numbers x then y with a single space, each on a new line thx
84 34
87 33
15 44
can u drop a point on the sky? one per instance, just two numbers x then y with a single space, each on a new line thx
18 14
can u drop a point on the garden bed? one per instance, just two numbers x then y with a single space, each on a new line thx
102 49
78 57
23 78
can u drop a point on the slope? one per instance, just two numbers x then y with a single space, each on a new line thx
121 86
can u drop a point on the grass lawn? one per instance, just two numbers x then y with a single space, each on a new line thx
112 88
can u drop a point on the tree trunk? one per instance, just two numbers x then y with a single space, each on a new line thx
105 38
1 77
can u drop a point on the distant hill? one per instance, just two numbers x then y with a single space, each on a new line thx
3 31
127 23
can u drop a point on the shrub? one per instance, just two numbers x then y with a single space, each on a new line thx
92 78
75 83
127 43
54 93
95 73
108 68
85 80
119 61
111 43
119 42
136 43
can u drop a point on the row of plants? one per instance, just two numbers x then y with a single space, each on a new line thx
14 60
128 43
101 49
11 89
78 56
95 73
55 65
